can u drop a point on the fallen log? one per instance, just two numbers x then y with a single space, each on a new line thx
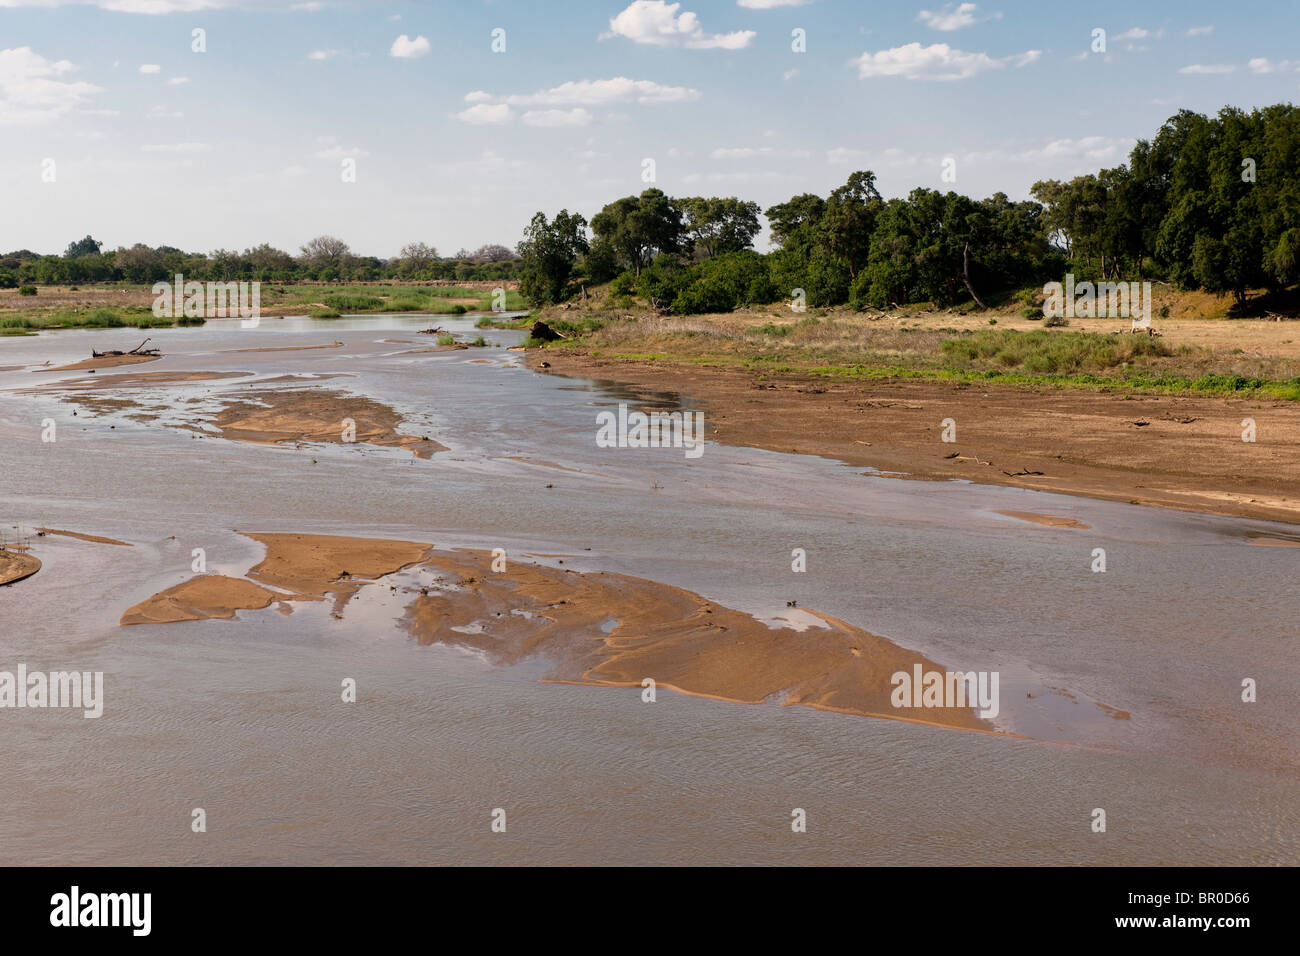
138 350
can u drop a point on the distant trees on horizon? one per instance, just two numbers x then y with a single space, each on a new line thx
1210 203
321 259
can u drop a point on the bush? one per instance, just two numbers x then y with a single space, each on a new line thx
762 290
624 284
446 340
1032 312
1055 321
354 303
663 280
707 295
103 319
27 290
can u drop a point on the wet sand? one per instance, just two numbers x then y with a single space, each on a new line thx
1051 521
106 361
199 599
317 415
15 566
84 537
1188 453
1263 541
293 348
590 628
264 416
140 380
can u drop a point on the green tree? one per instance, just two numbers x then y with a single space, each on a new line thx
639 227
549 252
82 247
716 226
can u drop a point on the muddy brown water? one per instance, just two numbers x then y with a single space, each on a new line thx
244 718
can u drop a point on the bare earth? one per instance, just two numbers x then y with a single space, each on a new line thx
105 361
14 566
1176 452
316 415
591 628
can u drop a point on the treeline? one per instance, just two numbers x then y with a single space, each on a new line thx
1209 203
322 259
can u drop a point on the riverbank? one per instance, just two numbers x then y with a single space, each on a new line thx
1174 451
131 306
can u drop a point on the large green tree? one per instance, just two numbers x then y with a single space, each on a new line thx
549 251
639 227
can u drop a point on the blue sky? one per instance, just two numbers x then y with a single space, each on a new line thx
457 145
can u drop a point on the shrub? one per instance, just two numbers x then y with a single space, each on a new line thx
1055 321
707 295
27 290
624 284
103 319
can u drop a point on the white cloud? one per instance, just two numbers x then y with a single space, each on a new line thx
405 48
1061 155
619 89
758 152
1262 64
952 18
568 103
1136 33
32 91
1200 31
323 54
935 62
657 23
771 4
177 80
553 118
485 114
1210 69
176 148
150 68
339 152
789 74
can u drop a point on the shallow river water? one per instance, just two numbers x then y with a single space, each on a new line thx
243 718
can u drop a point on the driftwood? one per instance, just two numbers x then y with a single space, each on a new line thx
438 331
138 350
1021 473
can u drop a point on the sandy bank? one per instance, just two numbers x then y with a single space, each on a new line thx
1175 452
14 566
140 380
590 628
317 415
292 348
105 361
1051 521
84 537
198 599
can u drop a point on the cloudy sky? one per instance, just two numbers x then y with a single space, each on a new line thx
453 121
